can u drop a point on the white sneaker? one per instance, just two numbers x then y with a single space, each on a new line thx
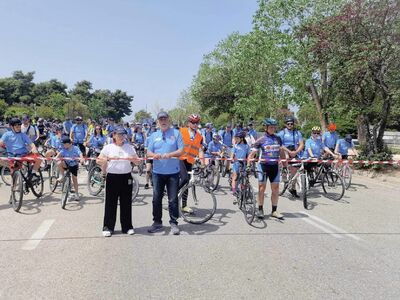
187 209
131 231
60 178
106 233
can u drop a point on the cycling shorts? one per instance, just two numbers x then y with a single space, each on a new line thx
268 171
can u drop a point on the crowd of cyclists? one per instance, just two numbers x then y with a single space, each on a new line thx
233 145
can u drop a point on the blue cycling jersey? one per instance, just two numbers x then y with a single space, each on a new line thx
330 139
55 142
16 143
316 146
344 146
270 146
213 147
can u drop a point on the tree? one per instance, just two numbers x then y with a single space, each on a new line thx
142 115
82 90
43 90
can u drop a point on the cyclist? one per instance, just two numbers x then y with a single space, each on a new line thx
227 140
97 140
292 145
110 126
70 151
314 145
238 128
42 132
248 137
78 134
54 143
252 131
208 135
29 129
192 141
214 148
330 137
138 137
343 146
241 151
270 146
18 144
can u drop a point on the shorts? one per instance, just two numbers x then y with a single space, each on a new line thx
73 169
268 171
236 166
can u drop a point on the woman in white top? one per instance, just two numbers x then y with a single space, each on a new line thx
117 158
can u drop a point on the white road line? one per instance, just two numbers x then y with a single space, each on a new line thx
338 229
38 235
332 233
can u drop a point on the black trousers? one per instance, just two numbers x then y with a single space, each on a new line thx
118 186
185 167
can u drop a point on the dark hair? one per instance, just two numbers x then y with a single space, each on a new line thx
97 126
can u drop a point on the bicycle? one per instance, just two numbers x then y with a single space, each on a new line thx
213 174
66 188
141 153
54 173
6 175
345 171
22 183
201 198
245 198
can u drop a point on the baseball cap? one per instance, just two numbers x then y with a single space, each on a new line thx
162 114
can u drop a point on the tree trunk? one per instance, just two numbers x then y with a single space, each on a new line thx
318 103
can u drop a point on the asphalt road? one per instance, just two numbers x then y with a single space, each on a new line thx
346 249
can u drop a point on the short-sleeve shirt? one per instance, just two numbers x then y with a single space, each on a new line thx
330 139
118 166
16 143
79 131
139 138
316 146
270 148
164 142
55 142
290 137
213 147
241 151
74 152
344 146
97 141
227 138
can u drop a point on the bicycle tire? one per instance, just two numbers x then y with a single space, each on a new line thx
249 204
53 175
303 190
95 181
214 183
203 202
330 181
135 187
17 191
6 175
283 184
346 174
37 187
66 187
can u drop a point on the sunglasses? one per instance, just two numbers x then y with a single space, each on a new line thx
315 132
289 123
195 123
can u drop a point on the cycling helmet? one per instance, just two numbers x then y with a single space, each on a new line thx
15 121
193 118
216 136
78 118
316 129
289 119
240 134
332 127
40 120
270 122
348 138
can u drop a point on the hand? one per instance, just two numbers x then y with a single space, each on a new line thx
165 156
82 161
135 160
157 156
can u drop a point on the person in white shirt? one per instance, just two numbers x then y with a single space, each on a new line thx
118 182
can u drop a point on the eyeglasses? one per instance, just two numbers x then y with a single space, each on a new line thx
290 124
315 132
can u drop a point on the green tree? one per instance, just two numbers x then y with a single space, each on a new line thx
141 115
3 107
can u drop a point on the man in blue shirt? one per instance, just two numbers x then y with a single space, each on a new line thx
78 134
67 125
18 144
270 146
330 137
252 131
165 146
343 146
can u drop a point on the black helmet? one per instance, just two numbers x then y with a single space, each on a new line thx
15 121
289 119
240 134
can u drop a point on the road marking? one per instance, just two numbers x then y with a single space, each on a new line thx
338 229
332 233
38 235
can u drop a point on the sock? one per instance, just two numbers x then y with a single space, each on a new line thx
274 207
260 207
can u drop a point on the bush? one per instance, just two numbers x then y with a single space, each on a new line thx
17 111
386 155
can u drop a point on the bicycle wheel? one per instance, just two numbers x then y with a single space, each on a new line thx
66 187
213 177
6 175
201 200
95 181
346 174
284 180
302 188
135 187
249 203
38 185
54 172
333 185
17 190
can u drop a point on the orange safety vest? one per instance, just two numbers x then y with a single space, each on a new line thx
191 147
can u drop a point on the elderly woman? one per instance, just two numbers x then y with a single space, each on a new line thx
117 158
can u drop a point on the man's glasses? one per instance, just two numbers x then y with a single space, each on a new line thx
289 124
315 132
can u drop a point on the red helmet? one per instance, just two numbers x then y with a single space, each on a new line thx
193 118
332 127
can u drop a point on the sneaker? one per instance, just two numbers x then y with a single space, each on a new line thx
146 186
294 193
76 197
60 178
260 214
155 228
175 229
107 232
187 209
277 215
131 231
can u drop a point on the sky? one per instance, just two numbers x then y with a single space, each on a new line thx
149 48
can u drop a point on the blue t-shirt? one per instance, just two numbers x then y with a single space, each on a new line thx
290 137
55 142
213 147
165 142
139 138
128 132
344 146
16 143
253 133
67 126
330 139
316 146
227 138
79 131
241 151
97 141
73 151
207 137
270 146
